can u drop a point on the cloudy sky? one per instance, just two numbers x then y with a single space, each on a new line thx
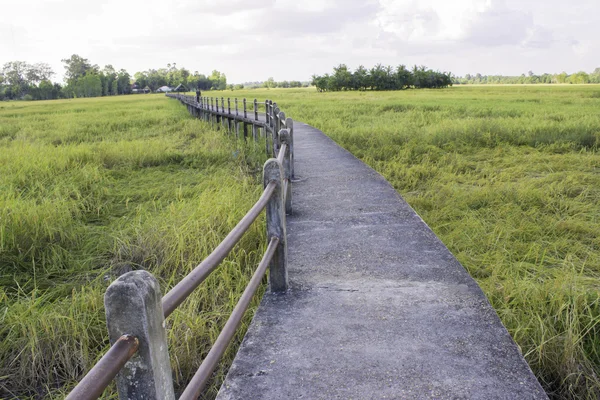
251 40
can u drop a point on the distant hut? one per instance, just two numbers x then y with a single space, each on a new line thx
164 89
181 88
135 88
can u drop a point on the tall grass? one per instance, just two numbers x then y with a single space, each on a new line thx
509 179
91 189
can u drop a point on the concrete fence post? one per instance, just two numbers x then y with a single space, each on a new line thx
133 306
289 124
278 276
267 114
254 126
276 112
276 129
229 120
285 138
245 109
255 132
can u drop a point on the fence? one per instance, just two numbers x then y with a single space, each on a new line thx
135 309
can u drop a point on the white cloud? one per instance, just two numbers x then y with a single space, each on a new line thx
288 39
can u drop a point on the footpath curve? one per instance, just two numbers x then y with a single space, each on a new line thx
378 308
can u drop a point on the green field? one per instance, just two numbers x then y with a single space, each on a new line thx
92 188
508 177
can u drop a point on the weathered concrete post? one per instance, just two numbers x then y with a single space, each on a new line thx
229 120
134 307
285 138
224 120
211 115
206 110
276 112
278 276
267 112
267 126
245 109
254 127
289 124
276 129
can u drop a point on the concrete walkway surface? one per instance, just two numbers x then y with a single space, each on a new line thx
378 307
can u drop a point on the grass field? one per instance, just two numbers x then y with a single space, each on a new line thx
92 188
509 179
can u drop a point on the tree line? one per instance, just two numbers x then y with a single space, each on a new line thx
580 77
20 80
381 78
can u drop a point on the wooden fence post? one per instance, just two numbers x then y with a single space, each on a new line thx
278 276
133 306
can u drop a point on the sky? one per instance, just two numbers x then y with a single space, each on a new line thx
251 40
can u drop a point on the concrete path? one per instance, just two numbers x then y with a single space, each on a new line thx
378 307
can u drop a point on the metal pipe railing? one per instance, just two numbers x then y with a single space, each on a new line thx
281 154
192 391
101 375
187 285
276 193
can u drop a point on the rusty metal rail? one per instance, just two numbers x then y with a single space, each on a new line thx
203 374
148 375
99 377
188 284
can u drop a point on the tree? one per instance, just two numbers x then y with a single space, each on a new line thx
342 78
360 78
218 79
39 72
108 76
403 77
123 82
382 78
77 67
270 83
579 78
20 78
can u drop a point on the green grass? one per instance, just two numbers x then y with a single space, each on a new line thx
93 188
509 179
